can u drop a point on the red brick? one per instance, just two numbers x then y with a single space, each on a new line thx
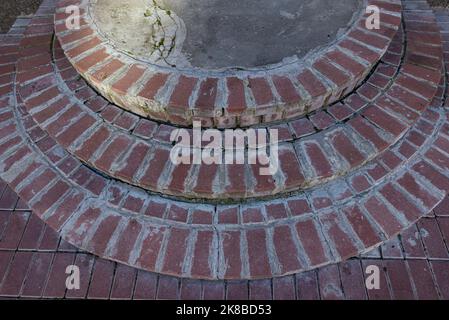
261 91
179 175
123 285
237 290
101 279
422 278
342 241
362 226
340 111
384 120
10 238
230 263
8 200
153 85
383 216
145 128
346 148
236 179
155 168
307 286
115 148
156 209
50 197
182 92
213 290
401 203
56 287
151 245
203 257
228 215
409 99
177 213
133 161
107 70
286 90
441 271
263 183
236 102
206 176
134 73
91 60
311 241
202 217
302 127
411 242
207 94
299 207
286 250
276 211
353 280
252 215
32 234
331 72
432 239
318 159
176 251
85 263
83 47
64 120
322 120
103 234
431 174
92 144
284 288
190 290
15 277
399 279
330 285
127 240
83 225
15 158
260 290
347 63
65 210
383 292
146 285
415 188
168 288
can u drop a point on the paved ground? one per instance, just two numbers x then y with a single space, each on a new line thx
218 34
10 9
33 260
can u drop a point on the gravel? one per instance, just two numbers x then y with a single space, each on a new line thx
439 3
11 9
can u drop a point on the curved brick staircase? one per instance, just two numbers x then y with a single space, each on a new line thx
353 174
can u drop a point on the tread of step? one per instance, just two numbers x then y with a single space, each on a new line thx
304 162
236 97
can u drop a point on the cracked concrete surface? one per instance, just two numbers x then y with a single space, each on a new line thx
216 34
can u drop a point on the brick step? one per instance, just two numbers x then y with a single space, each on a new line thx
313 150
301 232
232 97
253 240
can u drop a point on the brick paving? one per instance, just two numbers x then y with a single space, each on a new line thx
352 176
33 260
